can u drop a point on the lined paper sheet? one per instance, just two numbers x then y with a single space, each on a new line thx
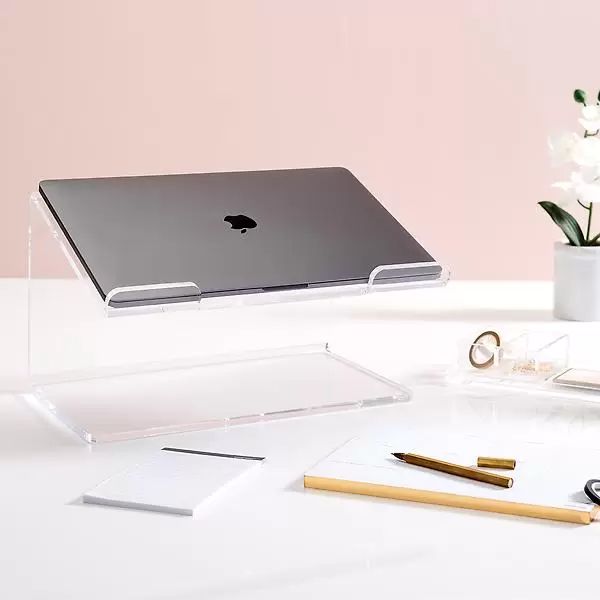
545 476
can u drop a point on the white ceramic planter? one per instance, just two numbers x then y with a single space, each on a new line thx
576 282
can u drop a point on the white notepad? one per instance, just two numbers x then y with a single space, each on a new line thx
175 481
548 481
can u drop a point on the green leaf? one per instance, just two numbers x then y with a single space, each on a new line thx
567 223
579 96
594 241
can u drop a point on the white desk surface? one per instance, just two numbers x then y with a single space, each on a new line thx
276 540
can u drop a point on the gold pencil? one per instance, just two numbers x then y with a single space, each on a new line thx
453 469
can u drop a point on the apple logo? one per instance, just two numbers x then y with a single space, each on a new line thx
241 222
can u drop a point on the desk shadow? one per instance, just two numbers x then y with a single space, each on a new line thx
254 583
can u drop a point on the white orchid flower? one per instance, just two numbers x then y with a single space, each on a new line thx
591 118
583 185
572 147
586 152
561 147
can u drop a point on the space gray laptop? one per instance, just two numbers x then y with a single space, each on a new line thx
230 233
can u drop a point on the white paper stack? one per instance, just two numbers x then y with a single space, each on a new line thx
175 481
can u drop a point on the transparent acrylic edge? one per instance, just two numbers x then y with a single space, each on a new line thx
403 394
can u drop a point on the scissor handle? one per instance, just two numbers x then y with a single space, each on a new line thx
591 492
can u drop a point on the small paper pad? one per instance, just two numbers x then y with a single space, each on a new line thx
175 481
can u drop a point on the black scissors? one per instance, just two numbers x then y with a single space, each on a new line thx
592 490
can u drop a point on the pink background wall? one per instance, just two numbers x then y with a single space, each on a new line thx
440 107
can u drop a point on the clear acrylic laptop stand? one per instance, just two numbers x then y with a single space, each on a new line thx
148 372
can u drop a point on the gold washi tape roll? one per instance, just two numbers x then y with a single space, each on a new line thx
492 462
483 349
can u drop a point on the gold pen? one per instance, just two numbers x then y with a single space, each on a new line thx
453 469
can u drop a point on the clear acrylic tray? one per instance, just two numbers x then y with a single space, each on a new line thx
525 358
530 362
221 391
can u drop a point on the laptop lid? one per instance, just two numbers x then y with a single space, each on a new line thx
230 233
